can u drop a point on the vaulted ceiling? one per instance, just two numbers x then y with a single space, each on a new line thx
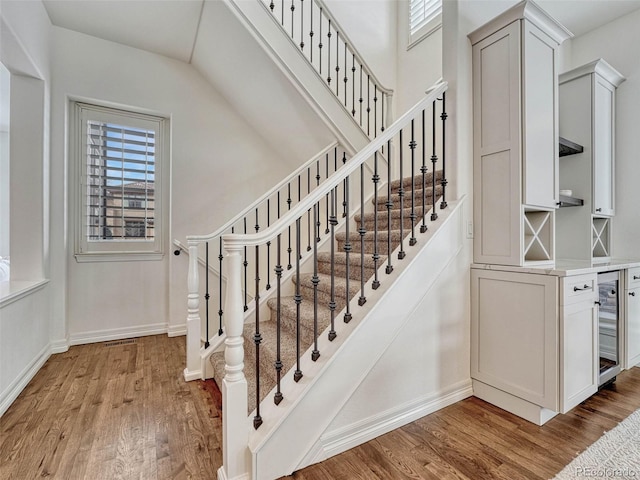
170 27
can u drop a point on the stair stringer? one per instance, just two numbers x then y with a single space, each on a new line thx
255 16
289 441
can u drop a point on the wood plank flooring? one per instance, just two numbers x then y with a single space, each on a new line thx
124 412
113 412
475 440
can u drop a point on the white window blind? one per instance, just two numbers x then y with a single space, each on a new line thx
422 12
119 157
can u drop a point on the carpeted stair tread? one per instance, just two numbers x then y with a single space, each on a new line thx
417 180
288 317
383 235
369 218
355 262
417 195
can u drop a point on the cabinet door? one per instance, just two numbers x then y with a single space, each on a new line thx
497 150
603 145
540 118
579 359
514 334
632 343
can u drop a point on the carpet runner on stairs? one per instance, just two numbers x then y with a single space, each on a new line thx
268 328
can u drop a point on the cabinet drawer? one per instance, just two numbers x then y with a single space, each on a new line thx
578 289
633 277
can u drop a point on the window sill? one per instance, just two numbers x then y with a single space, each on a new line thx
425 32
12 291
118 257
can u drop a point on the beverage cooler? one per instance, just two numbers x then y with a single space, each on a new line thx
609 326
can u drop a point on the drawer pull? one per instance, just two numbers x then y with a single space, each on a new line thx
633 294
597 303
578 289
636 277
598 209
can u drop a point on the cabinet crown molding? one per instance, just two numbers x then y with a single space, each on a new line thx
527 9
599 66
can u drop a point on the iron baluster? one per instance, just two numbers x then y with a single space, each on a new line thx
443 182
297 375
268 249
376 255
311 34
245 264
347 250
320 44
329 54
206 293
362 300
317 220
315 354
345 74
220 311
277 398
344 188
353 85
375 111
401 253
423 170
389 206
308 211
257 339
272 6
434 160
332 303
292 10
301 24
289 250
361 100
384 100
337 64
326 198
368 103
282 14
412 215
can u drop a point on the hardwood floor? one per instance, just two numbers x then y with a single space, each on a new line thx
475 440
113 412
124 412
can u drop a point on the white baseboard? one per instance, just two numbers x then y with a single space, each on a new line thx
22 379
60 346
360 432
177 330
117 333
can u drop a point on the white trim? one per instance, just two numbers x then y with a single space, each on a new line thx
192 375
97 336
350 436
177 330
17 386
60 346
118 257
223 476
425 31
12 291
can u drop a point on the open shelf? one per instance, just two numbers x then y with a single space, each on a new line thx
567 147
600 238
538 236
570 201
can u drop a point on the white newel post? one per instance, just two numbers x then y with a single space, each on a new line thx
194 366
235 429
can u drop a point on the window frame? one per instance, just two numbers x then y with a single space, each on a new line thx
124 249
424 31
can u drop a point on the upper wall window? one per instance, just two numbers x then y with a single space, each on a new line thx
119 164
425 17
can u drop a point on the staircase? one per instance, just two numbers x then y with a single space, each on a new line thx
343 291
356 244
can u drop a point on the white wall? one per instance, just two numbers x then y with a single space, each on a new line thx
232 60
618 43
25 319
5 81
218 166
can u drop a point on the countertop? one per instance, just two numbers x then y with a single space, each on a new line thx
565 268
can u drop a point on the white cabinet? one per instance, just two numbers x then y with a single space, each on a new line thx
515 100
534 341
587 117
579 336
632 312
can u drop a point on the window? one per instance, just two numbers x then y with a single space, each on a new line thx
425 17
119 162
